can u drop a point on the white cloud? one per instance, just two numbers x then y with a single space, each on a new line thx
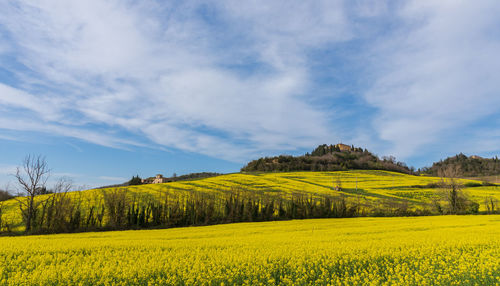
46 108
10 138
279 31
112 179
8 169
96 137
435 74
234 79
161 72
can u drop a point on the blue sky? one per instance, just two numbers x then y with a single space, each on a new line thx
109 89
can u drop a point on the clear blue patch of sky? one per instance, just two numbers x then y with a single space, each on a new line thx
91 161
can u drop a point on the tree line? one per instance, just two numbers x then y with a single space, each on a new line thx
118 209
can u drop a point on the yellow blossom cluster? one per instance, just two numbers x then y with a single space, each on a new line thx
444 250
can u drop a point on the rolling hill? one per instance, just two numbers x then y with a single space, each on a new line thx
264 196
467 166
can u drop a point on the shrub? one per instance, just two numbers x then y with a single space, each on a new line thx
473 184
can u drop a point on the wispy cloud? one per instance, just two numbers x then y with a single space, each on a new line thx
112 179
434 75
7 169
161 71
233 80
9 137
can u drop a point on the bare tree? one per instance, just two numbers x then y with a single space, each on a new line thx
457 200
116 204
57 208
338 184
32 177
491 204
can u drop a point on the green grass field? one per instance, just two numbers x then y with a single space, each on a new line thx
440 250
367 187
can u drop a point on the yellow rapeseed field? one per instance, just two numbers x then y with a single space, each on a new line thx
444 250
371 185
364 186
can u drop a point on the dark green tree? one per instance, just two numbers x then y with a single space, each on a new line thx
136 180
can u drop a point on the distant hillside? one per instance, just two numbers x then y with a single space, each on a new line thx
245 197
190 176
472 166
337 157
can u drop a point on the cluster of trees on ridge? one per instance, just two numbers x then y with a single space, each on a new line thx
468 166
327 158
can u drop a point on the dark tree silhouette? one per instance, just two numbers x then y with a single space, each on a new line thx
32 177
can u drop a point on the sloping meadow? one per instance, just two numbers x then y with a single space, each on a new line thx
247 197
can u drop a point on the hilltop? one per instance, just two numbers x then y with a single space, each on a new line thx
466 166
339 157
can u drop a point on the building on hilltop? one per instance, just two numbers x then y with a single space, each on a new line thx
156 180
476 157
343 147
